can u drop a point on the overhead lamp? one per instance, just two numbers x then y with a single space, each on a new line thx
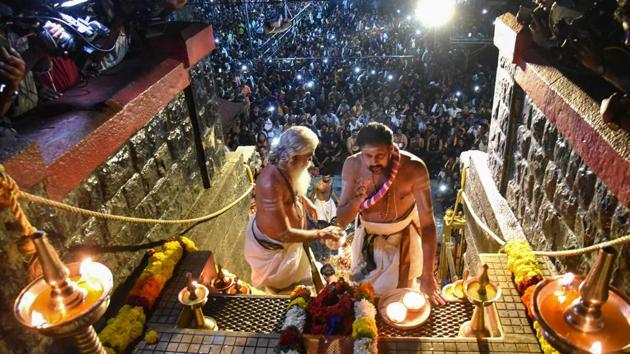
435 13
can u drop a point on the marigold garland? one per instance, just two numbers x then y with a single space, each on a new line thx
123 329
128 324
364 328
151 337
300 301
524 266
301 291
160 269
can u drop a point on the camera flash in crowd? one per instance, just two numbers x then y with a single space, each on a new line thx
398 11
408 18
418 31
299 77
484 11
390 77
271 108
310 84
244 67
357 69
373 72
217 41
458 93
477 88
325 60
443 187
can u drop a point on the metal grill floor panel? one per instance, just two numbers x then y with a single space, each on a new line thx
256 314
443 322
265 314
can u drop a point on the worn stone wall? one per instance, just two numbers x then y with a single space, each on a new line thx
156 174
559 201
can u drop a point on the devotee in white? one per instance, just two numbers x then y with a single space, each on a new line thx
395 240
276 232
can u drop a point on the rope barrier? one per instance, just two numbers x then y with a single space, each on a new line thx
8 181
10 192
480 223
564 253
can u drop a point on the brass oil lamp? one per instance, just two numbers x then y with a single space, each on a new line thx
66 300
584 315
194 296
482 294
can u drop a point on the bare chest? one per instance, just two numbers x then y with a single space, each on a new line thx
394 204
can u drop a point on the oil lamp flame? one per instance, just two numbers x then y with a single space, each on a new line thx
86 267
567 279
37 320
396 311
596 348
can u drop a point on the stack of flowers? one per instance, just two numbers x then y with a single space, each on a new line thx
291 341
123 329
339 309
159 270
524 266
364 330
332 311
128 324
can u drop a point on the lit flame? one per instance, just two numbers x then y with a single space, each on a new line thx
396 311
37 320
567 279
86 267
194 283
596 348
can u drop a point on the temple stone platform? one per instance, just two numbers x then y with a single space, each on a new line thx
250 323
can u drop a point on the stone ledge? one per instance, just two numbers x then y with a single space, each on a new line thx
63 152
485 196
574 113
67 172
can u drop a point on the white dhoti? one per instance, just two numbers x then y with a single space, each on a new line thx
326 210
276 266
377 250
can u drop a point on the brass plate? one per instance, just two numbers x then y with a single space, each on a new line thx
414 318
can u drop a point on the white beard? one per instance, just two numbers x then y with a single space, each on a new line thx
300 180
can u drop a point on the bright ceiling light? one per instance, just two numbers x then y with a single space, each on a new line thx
435 13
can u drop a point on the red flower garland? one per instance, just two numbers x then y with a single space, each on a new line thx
335 300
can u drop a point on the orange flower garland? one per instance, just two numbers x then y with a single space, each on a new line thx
128 324
524 266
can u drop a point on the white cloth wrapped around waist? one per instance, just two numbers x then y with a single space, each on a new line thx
386 252
275 269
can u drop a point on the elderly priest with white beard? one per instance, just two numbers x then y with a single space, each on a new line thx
274 235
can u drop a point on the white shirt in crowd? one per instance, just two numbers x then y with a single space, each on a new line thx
395 121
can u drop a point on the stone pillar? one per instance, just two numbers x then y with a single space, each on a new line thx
564 173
